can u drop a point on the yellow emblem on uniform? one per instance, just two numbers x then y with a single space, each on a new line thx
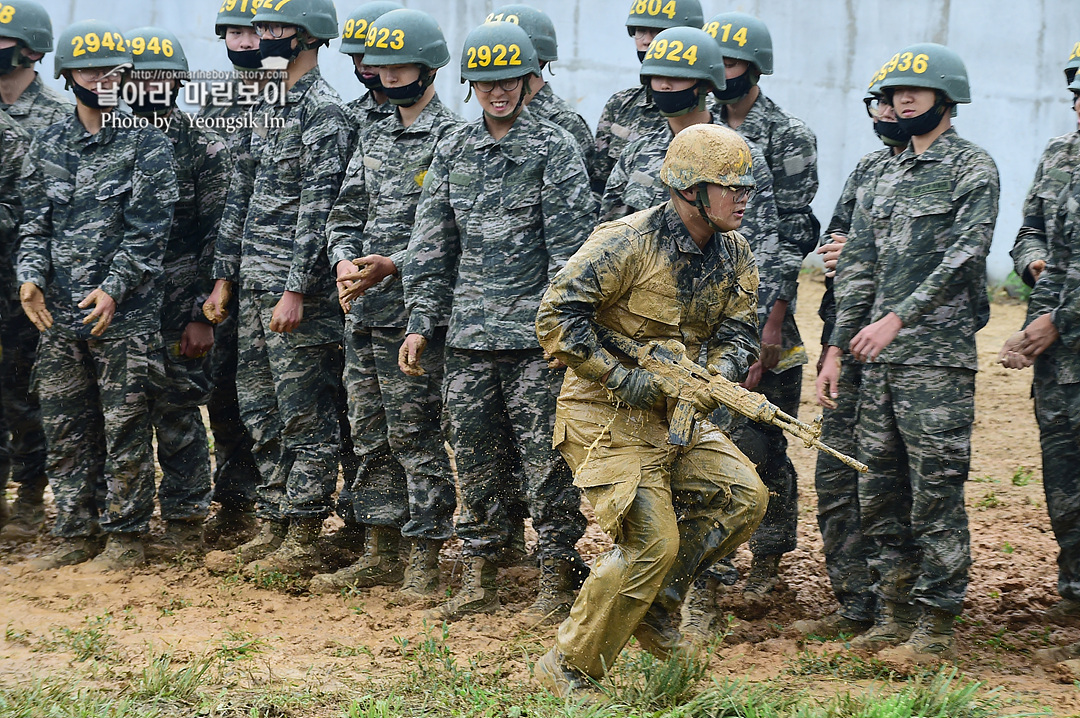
420 178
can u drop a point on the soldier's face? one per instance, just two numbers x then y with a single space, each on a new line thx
499 102
1076 105
734 68
368 71
239 39
726 206
643 37
6 42
97 79
911 102
399 75
671 84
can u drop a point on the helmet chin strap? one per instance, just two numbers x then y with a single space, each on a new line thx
701 201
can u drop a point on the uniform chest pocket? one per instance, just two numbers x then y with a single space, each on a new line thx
463 192
59 192
112 190
660 304
931 205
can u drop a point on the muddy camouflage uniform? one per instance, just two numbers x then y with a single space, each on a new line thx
37 107
405 480
918 247
236 475
97 214
645 277
1051 232
497 219
628 114
272 240
202 173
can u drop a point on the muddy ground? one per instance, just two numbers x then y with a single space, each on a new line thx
288 636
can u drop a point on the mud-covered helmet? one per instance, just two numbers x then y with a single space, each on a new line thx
707 154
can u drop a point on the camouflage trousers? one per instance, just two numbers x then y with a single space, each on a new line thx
350 462
183 452
766 447
26 447
914 432
95 408
236 475
405 478
672 512
1057 409
838 517
287 385
501 411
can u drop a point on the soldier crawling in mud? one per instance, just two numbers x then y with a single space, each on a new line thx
678 270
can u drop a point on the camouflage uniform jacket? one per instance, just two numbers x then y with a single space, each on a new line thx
365 111
917 247
38 107
627 115
14 142
202 175
497 220
634 186
548 106
228 119
375 210
857 182
280 194
97 212
643 276
791 151
1052 177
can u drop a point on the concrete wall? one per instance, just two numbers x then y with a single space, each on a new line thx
825 53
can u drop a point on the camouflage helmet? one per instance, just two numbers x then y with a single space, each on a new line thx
402 37
29 22
927 65
709 154
662 14
498 51
354 32
234 13
154 48
743 37
697 57
317 17
90 43
536 23
1073 64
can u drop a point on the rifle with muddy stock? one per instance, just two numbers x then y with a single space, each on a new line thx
683 378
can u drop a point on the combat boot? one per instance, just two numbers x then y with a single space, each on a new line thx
296 555
380 565
343 547
422 570
763 578
268 540
554 673
230 527
123 552
892 626
699 610
658 633
478 594
556 593
182 536
831 626
931 640
27 514
70 552
515 553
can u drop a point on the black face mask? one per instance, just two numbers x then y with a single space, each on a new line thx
676 104
891 133
246 59
926 122
736 88
373 83
87 97
279 47
8 60
641 55
406 95
148 107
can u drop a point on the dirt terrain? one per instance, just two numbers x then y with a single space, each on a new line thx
100 628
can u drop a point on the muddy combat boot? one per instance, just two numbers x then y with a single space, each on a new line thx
556 593
342 548
829 627
70 552
27 515
1066 612
892 626
658 633
123 552
422 570
268 540
380 565
478 594
229 528
763 578
932 639
554 673
515 553
296 555
182 536
699 610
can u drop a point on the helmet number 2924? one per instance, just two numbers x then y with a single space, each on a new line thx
675 51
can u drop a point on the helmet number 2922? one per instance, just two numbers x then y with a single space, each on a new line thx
485 56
